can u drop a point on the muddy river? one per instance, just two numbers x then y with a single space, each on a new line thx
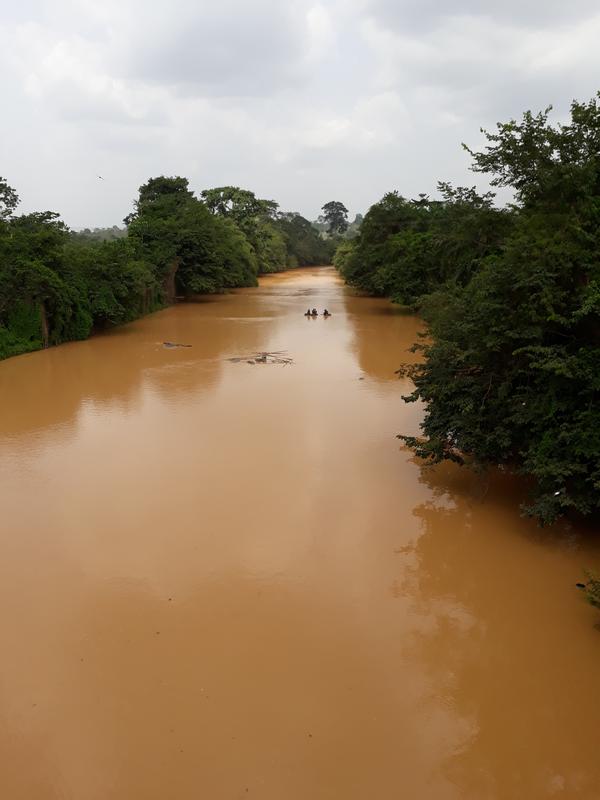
222 579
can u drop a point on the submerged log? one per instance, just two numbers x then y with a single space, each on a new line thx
264 357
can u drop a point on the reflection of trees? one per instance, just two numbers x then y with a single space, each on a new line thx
46 389
382 334
506 651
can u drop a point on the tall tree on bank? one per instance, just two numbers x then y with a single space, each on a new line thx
256 218
191 250
335 216
241 205
512 376
407 249
305 245
9 200
37 306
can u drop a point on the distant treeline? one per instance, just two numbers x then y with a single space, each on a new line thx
511 369
57 285
100 234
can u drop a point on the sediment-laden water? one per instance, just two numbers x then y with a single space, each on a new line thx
222 579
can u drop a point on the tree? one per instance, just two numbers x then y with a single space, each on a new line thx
408 248
240 204
57 285
304 244
255 218
190 248
512 375
9 200
335 215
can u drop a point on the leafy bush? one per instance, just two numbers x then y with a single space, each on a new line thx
592 589
511 371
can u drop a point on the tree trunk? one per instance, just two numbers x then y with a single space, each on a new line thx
44 321
169 285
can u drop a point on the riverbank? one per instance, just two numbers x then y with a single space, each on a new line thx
30 327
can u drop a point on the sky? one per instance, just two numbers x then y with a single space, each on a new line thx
302 102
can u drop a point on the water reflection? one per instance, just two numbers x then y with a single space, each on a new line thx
381 336
111 372
499 645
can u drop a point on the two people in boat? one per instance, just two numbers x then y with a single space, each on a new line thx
314 313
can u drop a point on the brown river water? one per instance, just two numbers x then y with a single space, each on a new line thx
225 580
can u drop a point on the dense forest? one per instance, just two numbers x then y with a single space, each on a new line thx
510 374
57 285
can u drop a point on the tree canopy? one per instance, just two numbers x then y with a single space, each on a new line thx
57 285
335 216
511 372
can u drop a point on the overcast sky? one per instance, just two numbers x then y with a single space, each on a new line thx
302 102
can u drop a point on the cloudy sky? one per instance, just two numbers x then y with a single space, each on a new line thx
300 101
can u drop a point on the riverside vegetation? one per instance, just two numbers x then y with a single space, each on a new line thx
57 286
510 374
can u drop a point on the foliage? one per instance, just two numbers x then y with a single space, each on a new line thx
407 249
269 246
335 216
99 234
241 205
57 285
277 239
512 374
21 331
343 254
255 218
191 249
351 232
9 200
236 254
592 589
305 246
113 286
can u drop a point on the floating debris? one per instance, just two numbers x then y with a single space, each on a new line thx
170 345
264 357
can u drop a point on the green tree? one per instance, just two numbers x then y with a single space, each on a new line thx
592 589
191 249
335 215
9 200
255 218
512 376
241 205
408 248
305 246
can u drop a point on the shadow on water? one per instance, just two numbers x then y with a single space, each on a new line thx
382 335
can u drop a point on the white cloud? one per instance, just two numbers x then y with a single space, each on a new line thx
301 102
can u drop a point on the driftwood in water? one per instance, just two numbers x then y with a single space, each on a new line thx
175 344
264 357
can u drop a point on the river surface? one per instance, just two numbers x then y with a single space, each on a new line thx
223 580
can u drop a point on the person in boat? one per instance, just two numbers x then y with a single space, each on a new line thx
314 312
326 313
307 314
